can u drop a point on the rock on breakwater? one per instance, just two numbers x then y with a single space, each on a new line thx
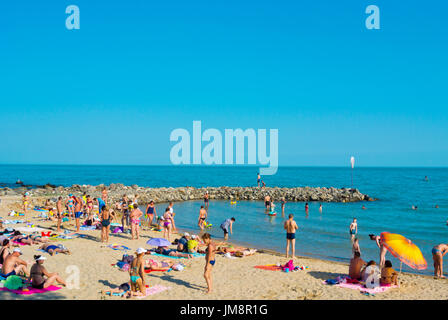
158 195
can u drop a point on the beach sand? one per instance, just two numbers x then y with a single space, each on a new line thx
234 279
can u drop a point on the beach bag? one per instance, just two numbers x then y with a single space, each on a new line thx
127 258
289 266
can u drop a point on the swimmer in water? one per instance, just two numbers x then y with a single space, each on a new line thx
320 208
353 229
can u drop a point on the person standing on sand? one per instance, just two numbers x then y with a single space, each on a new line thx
437 256
202 217
78 211
125 212
135 221
26 200
168 224
209 260
70 203
59 212
290 226
105 224
226 226
383 249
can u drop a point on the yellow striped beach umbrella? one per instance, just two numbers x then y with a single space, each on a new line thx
404 250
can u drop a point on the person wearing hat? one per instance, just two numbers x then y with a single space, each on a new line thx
137 273
193 244
38 274
182 243
13 265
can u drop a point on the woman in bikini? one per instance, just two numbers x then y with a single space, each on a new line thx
209 260
71 206
89 207
172 252
152 264
137 273
105 224
168 224
437 255
150 212
25 202
38 274
19 237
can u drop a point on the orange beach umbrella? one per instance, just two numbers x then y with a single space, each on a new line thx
404 250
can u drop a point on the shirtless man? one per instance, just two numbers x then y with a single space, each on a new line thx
125 211
267 202
383 249
356 266
290 226
13 265
202 217
78 211
209 260
59 210
206 200
135 216
105 224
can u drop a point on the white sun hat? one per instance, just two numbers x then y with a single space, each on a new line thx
141 250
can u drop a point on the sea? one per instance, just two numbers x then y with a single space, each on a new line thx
323 235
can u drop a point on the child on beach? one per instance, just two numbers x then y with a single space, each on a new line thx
353 229
226 226
209 260
135 216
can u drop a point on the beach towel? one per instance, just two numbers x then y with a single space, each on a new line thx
154 270
195 255
118 247
362 288
87 228
271 267
31 290
20 243
155 289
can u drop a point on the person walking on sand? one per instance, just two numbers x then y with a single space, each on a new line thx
437 256
353 229
226 226
202 217
383 249
59 210
78 211
135 216
150 212
290 226
209 260
105 224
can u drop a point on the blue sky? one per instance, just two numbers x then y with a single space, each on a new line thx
111 92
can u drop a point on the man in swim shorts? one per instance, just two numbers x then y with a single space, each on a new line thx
59 212
226 226
267 202
78 211
290 226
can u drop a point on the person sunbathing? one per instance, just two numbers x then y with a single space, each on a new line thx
19 237
38 274
237 251
172 252
122 291
152 264
36 237
52 249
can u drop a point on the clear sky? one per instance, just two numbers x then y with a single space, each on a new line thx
112 92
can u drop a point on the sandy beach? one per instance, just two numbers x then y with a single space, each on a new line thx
234 279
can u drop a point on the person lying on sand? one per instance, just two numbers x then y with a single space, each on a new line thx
19 237
52 249
122 290
38 274
152 264
233 249
171 252
13 265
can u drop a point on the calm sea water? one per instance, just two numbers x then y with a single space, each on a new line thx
324 235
